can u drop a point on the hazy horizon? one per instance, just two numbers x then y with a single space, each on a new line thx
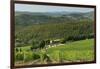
48 8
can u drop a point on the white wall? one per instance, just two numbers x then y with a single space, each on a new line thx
5 34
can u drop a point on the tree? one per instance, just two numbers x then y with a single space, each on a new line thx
47 42
34 45
17 50
42 44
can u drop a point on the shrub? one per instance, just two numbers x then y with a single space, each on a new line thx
17 50
63 40
42 44
19 56
47 42
28 56
36 56
35 45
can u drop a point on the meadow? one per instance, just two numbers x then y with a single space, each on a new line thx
49 38
76 51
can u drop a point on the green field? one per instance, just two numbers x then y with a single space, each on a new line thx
77 51
53 36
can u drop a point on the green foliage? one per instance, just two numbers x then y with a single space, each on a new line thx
38 44
77 51
16 49
34 32
19 56
44 27
47 42
28 56
44 57
35 44
42 44
73 51
36 56
63 40
28 18
70 31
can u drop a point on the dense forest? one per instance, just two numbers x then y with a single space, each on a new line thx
50 26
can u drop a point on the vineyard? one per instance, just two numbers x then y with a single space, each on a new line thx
78 51
47 38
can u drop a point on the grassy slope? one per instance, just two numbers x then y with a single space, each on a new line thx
71 52
78 50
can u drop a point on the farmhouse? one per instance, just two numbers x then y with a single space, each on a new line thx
54 42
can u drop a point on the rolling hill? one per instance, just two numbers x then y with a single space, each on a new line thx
42 26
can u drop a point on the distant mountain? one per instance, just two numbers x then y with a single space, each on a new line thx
29 18
89 15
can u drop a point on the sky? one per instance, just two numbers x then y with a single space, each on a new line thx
48 8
